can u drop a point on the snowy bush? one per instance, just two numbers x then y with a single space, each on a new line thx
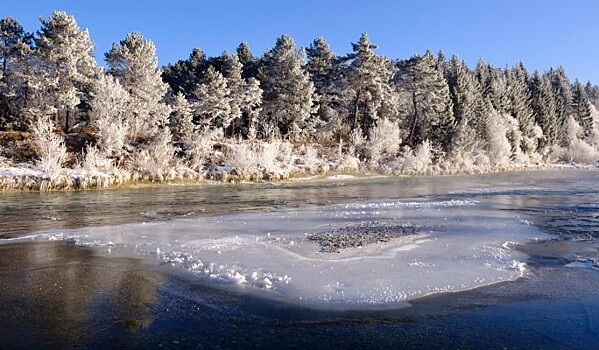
383 139
52 147
266 155
201 147
242 158
419 161
154 160
95 161
498 146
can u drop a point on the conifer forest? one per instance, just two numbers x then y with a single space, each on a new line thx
67 121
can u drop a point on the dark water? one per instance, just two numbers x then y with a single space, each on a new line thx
56 295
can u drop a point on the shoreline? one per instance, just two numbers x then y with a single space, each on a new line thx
33 180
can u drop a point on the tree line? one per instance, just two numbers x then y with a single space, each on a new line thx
302 95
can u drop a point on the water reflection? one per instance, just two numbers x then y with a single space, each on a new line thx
56 294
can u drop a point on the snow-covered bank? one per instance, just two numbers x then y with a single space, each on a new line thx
459 245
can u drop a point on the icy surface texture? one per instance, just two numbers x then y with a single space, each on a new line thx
458 245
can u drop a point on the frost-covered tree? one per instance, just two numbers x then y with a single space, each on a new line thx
213 106
520 107
15 49
289 96
469 107
370 86
181 119
233 72
544 109
246 58
133 62
251 107
425 100
185 75
581 107
593 93
563 97
67 53
109 115
323 67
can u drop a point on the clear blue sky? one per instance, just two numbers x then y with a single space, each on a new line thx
541 33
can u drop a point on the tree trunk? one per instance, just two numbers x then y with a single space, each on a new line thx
56 94
357 108
414 120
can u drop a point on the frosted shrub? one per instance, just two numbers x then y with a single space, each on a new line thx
201 147
266 155
242 158
419 161
94 160
154 161
383 139
498 147
52 147
356 141
577 150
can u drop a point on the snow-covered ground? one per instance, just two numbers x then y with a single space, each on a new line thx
459 244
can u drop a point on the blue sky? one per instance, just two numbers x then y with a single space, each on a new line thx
541 33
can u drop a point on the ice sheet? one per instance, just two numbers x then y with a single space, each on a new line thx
460 244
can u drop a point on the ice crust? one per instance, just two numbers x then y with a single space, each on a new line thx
460 245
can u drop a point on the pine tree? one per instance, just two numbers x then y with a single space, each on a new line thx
322 66
593 93
470 109
520 107
246 58
109 114
426 99
563 97
213 106
67 53
15 47
233 70
181 119
581 109
369 78
543 106
289 96
133 62
185 75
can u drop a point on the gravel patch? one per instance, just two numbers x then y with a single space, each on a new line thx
360 235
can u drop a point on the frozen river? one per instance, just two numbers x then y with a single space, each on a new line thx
495 238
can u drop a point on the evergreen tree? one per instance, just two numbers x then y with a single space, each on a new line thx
71 69
251 107
15 48
593 93
426 99
133 62
322 67
581 109
470 109
520 106
563 97
370 86
543 106
246 58
185 75
233 70
181 119
213 106
289 95
109 115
